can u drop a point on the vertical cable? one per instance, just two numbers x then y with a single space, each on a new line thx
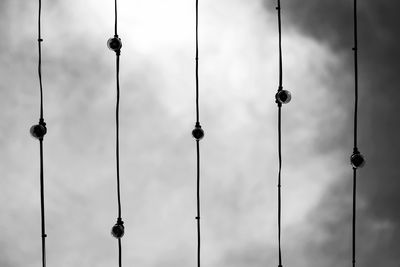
115 45
38 131
357 159
198 134
197 62
281 97
115 18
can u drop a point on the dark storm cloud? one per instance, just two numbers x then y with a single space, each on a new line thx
330 22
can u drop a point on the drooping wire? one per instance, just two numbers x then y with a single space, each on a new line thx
198 134
115 18
38 131
197 62
281 97
357 159
115 45
117 136
40 58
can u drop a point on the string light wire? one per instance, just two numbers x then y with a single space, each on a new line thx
115 44
198 134
38 131
357 159
281 97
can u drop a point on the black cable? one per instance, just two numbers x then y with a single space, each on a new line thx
354 219
279 184
115 44
117 136
38 131
115 18
355 49
281 97
40 59
42 205
198 134
357 159
198 201
278 8
197 62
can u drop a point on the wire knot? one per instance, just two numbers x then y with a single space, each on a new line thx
197 218
40 40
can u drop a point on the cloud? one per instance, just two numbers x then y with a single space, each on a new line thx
238 68
331 23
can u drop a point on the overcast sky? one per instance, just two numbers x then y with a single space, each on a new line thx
238 81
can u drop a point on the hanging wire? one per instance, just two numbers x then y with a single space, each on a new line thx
38 131
281 97
198 134
357 159
115 45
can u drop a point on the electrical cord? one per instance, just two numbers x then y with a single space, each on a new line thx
198 134
281 97
38 131
115 44
357 159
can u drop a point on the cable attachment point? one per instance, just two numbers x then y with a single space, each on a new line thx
282 96
118 230
357 159
39 130
197 132
115 44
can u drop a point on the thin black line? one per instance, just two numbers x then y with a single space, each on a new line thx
280 44
197 62
198 140
117 136
278 8
119 252
279 183
40 59
41 122
354 219
355 149
116 18
42 205
198 202
355 49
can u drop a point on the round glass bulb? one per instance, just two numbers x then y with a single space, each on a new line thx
357 160
38 131
118 230
114 44
198 133
283 96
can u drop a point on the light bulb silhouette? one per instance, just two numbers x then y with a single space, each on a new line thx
357 160
114 44
197 132
283 97
118 230
38 131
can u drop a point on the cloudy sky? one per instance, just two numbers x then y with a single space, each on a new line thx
238 79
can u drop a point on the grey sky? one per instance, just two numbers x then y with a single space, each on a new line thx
238 72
